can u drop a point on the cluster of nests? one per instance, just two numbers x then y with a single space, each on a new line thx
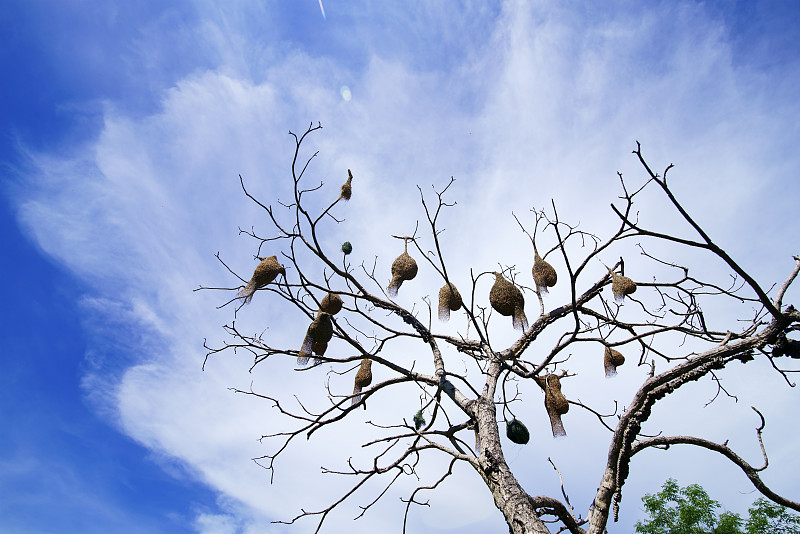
555 403
504 297
320 331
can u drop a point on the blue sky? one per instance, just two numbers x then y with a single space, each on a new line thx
125 125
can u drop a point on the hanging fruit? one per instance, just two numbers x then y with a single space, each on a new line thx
419 420
517 432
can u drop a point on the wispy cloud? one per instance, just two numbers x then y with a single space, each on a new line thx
521 104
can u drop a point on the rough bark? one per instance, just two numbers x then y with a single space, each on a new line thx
509 496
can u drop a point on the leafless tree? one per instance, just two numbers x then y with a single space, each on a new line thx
461 412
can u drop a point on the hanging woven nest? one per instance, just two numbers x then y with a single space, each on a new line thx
362 380
507 299
403 268
621 286
266 271
318 348
449 300
347 187
319 332
419 420
555 403
611 360
544 274
517 432
347 248
331 303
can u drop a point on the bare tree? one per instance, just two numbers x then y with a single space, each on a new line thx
460 412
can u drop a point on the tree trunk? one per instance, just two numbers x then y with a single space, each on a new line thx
509 497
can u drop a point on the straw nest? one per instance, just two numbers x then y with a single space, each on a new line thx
611 360
347 248
318 348
363 379
331 303
449 300
403 268
319 332
555 403
543 274
419 420
517 432
507 299
621 286
347 187
266 271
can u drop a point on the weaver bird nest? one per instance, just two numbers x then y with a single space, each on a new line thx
507 300
621 286
347 187
319 332
363 379
449 300
331 303
403 268
555 403
266 271
543 274
611 360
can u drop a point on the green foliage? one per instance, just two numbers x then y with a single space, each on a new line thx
766 516
690 510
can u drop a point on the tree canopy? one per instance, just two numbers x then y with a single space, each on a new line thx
690 510
449 391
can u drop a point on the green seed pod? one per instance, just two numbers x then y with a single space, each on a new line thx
347 248
517 432
419 420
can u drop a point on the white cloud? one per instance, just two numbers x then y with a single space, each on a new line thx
546 105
